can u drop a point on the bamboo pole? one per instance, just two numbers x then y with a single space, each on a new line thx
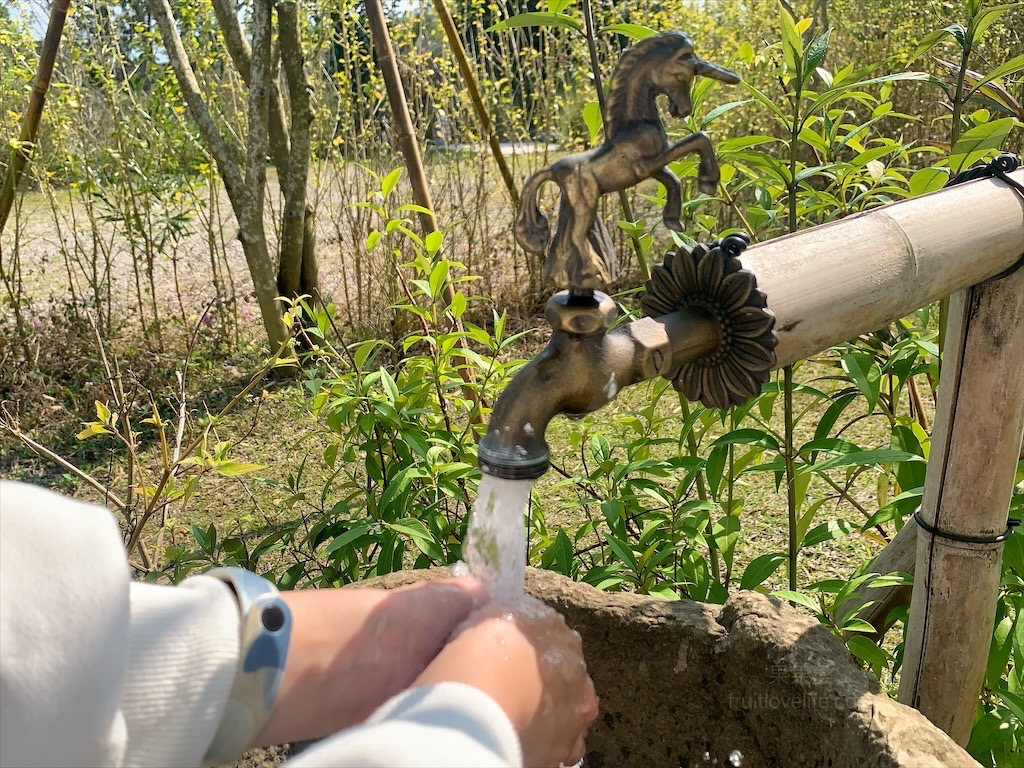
413 160
459 51
898 556
978 428
34 113
833 282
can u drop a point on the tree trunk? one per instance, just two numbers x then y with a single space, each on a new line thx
246 196
297 216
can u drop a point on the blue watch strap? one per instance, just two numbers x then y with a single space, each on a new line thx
264 632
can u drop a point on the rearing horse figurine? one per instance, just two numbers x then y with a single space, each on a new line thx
581 254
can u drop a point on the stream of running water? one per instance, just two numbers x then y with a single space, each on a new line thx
495 548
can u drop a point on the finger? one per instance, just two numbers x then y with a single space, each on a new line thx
579 751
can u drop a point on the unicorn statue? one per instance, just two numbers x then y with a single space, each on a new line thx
581 255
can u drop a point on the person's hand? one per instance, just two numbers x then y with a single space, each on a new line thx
353 649
524 656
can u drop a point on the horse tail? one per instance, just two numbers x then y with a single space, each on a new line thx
531 227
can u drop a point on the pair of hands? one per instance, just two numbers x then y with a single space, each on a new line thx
353 649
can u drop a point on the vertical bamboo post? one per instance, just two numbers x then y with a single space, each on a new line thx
34 113
414 164
977 439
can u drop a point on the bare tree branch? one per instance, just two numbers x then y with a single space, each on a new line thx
224 154
241 54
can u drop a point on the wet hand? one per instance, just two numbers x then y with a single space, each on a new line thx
524 656
353 649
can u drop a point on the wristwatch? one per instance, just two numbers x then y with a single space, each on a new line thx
264 631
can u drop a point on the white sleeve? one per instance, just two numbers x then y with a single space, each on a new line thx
449 725
95 669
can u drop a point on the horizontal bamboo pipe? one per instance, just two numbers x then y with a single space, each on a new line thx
833 282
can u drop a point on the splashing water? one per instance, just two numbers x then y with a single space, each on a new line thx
496 542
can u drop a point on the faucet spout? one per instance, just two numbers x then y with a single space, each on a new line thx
582 369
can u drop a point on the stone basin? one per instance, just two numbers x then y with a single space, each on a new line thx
686 684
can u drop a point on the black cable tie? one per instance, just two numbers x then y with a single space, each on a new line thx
1011 523
997 168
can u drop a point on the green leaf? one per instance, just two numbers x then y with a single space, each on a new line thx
857 625
895 579
833 529
560 554
864 458
420 535
755 437
764 101
831 415
412 207
865 374
761 568
623 552
632 31
928 180
228 468
867 651
987 17
353 533
815 53
389 182
840 91
235 549
432 242
438 277
537 19
1010 67
458 305
102 412
92 428
798 598
792 45
988 731
1013 702
592 119
999 654
979 142
720 110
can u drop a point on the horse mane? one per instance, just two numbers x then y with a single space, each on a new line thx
651 49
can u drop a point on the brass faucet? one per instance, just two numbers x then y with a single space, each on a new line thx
582 369
707 326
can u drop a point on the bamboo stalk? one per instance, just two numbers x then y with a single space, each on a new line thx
413 159
829 283
22 153
979 424
898 556
459 51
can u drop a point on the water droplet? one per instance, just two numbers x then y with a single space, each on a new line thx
735 759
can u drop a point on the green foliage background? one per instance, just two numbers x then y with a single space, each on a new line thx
856 106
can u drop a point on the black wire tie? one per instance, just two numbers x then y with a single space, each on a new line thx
1012 523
